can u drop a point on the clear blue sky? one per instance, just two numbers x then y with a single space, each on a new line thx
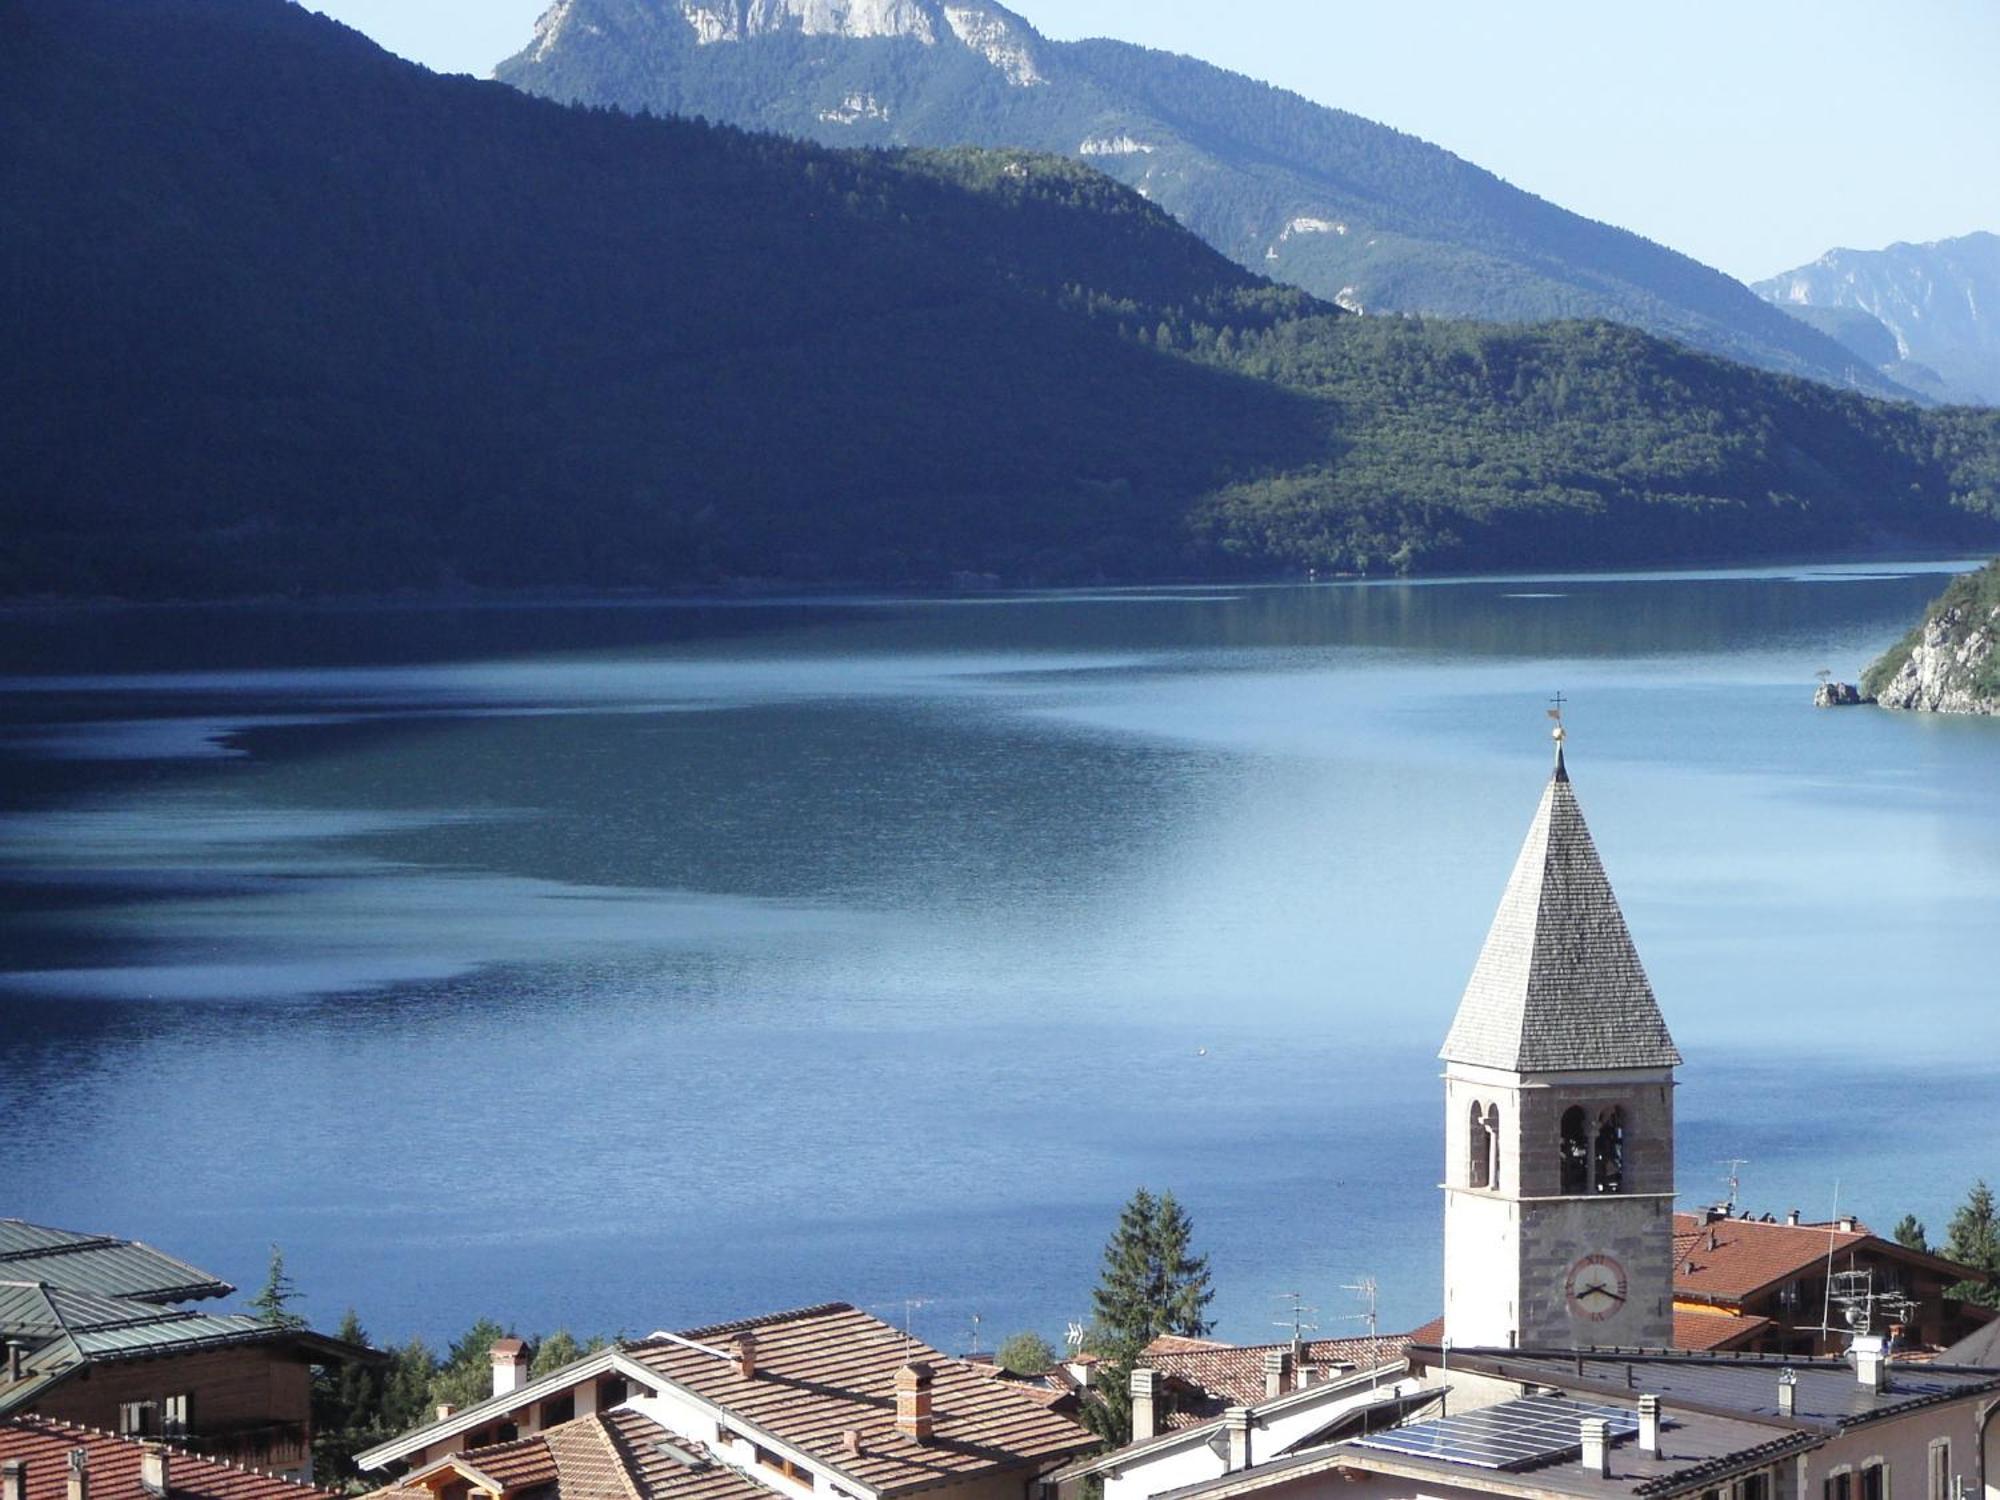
1752 136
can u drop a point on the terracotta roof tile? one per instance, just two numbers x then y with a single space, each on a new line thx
1703 1331
825 1371
113 1462
617 1455
1212 1377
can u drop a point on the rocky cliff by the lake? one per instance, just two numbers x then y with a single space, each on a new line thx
1949 664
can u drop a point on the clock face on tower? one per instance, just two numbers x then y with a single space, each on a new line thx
1595 1288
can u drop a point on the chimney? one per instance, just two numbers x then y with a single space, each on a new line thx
1871 1361
1792 1218
78 1487
1649 1426
510 1366
153 1469
1145 1404
15 1352
1277 1372
1788 1392
1236 1421
1849 1224
14 1479
850 1440
746 1355
446 1411
1596 1446
913 1402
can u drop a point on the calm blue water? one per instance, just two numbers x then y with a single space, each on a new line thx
619 967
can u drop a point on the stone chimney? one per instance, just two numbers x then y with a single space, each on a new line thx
1236 1421
913 1402
510 1366
1596 1446
78 1487
850 1441
153 1470
1788 1392
1145 1404
14 1479
446 1411
746 1355
1277 1372
1871 1361
1649 1426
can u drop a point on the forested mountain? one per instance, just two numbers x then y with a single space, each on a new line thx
286 314
1927 316
1350 210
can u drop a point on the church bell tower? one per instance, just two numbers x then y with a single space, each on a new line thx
1559 1118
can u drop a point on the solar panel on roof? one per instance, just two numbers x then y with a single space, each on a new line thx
1511 1436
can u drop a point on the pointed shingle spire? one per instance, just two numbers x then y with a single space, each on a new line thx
1559 985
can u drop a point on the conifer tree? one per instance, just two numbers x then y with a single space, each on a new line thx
1911 1234
1152 1283
273 1302
466 1375
1973 1239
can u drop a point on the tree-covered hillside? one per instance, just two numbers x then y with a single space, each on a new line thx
286 314
1344 207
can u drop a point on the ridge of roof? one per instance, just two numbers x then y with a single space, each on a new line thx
75 1432
1558 984
763 1320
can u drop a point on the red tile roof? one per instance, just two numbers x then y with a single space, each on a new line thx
1212 1376
825 1371
1706 1331
1731 1260
113 1464
618 1455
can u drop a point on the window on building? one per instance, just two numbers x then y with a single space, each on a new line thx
778 1463
139 1419
1610 1163
1493 1144
1838 1486
1754 1487
1574 1153
1479 1149
1874 1482
558 1408
1940 1470
174 1416
612 1391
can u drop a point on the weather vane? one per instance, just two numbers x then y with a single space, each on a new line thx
1556 712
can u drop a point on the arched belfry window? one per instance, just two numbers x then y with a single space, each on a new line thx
1575 1151
1479 1149
1610 1163
1493 1145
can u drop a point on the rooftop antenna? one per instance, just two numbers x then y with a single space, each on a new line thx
1299 1322
1366 1289
1832 1232
975 1334
1736 1164
1073 1336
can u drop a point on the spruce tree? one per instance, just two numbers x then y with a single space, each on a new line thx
466 1375
273 1302
1911 1235
1152 1283
1973 1239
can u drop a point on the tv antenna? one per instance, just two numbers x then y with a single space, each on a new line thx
975 1334
1736 1164
1300 1321
1073 1336
1366 1290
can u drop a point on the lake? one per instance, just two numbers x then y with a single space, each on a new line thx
636 965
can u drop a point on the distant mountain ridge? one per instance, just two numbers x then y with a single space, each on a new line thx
286 315
1352 211
1926 315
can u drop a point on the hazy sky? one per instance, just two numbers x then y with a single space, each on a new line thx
1753 135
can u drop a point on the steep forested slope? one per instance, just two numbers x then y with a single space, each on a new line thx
1317 197
286 314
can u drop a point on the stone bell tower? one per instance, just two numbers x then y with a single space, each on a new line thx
1559 1117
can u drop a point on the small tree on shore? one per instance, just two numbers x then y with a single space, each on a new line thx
273 1302
1973 1239
1026 1354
